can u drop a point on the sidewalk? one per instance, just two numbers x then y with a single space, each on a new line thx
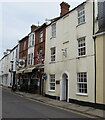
94 113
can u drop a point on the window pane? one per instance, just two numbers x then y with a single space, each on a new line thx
81 15
52 82
53 54
82 82
54 30
81 47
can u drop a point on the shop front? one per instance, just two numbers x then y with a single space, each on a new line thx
33 80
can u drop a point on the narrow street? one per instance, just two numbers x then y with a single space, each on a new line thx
14 106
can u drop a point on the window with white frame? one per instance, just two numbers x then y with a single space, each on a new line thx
54 30
31 40
41 36
30 59
81 47
24 46
81 15
82 82
52 82
53 52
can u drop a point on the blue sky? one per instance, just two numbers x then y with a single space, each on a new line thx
17 17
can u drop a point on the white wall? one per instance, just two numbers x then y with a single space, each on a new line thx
5 65
69 31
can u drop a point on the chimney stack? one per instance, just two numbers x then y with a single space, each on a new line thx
64 8
33 27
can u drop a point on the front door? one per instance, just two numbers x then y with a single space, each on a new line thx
64 87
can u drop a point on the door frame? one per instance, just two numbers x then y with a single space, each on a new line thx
61 86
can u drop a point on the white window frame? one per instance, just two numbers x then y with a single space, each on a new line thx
52 81
82 46
24 47
53 30
82 86
53 54
30 59
41 37
31 40
81 15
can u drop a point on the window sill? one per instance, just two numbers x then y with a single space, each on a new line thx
81 24
51 91
41 41
81 57
52 62
82 94
52 37
31 46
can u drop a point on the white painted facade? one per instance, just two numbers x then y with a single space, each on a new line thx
14 57
67 34
5 66
6 77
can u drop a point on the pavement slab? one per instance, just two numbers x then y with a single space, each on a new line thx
97 112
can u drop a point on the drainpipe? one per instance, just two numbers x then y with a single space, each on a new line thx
94 37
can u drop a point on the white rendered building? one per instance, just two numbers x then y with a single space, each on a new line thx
69 58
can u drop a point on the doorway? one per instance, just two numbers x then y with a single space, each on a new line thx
64 87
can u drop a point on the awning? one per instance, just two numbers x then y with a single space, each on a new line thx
20 71
28 70
39 66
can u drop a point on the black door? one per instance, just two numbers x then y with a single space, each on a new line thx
66 89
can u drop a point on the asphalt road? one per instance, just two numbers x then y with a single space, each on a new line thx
14 106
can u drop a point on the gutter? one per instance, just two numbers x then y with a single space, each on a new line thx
98 34
94 37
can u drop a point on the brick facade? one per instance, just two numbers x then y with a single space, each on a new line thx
23 49
40 45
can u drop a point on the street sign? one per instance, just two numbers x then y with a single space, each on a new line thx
44 76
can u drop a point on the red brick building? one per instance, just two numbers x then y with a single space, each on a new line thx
32 52
23 49
22 63
40 37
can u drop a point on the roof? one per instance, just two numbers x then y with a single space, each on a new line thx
43 25
14 48
23 38
38 28
9 52
58 18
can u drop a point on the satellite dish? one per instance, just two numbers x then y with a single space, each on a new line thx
21 63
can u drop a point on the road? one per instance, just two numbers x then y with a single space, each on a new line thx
14 106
